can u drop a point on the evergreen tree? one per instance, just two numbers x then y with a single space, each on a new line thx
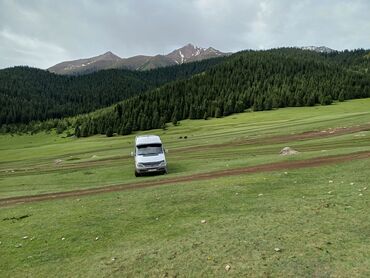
109 132
77 132
174 119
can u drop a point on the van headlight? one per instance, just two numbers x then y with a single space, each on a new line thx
162 163
140 165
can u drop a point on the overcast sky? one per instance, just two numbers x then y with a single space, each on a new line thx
41 33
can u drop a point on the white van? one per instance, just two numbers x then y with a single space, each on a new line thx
149 155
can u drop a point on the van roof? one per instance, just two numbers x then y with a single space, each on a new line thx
147 139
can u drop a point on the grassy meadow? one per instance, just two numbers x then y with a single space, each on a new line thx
302 222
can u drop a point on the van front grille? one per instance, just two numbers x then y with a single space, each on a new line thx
152 164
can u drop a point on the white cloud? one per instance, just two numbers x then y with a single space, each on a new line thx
30 51
42 33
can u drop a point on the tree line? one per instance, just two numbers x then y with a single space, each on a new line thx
253 80
29 94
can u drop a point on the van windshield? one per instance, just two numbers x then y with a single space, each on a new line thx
150 149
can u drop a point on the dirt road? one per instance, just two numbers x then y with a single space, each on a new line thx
284 165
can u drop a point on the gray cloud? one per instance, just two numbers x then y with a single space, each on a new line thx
41 33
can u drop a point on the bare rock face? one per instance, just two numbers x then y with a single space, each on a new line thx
288 151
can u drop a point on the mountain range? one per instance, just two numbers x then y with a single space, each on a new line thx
108 60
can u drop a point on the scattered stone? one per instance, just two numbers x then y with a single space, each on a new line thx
360 194
227 267
63 238
259 195
277 249
157 218
25 237
286 173
18 245
288 151
329 192
365 188
97 238
330 181
236 193
352 183
114 258
94 156
203 221
58 161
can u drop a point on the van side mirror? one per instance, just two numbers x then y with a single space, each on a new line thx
132 153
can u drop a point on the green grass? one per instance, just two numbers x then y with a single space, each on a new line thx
321 227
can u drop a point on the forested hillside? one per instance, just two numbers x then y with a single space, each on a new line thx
254 80
28 94
257 80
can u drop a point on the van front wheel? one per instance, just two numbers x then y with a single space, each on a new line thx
137 174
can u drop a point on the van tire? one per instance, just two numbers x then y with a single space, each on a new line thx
137 174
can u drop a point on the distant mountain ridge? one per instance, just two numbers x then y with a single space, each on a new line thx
320 49
108 60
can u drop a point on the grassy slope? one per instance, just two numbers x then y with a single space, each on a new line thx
155 231
99 161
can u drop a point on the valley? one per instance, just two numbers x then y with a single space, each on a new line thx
227 171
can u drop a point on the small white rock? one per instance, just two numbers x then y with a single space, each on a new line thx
330 181
277 249
227 267
286 173
259 195
352 183
360 194
97 238
114 258
330 192
203 221
25 237
63 238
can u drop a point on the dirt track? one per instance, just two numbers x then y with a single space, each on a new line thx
285 138
313 162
